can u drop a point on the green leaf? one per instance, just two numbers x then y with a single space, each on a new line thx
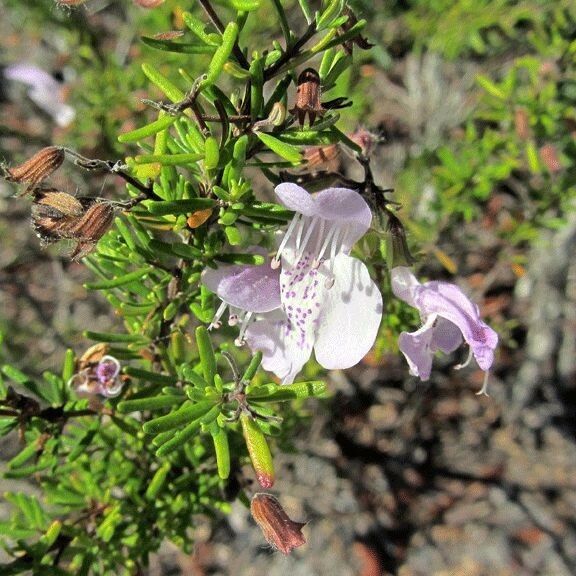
245 5
152 403
197 27
148 130
186 433
332 11
490 87
211 153
120 280
222 450
179 47
157 482
252 367
166 86
221 55
206 352
111 337
179 206
315 388
182 416
286 151
168 159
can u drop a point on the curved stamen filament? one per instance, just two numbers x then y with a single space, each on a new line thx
327 241
216 320
295 221
466 362
302 247
245 321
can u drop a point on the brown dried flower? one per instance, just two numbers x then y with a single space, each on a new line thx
308 97
280 532
36 169
359 40
58 216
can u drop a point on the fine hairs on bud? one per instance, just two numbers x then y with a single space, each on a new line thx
36 169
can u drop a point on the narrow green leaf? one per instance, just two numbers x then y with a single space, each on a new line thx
490 87
168 159
148 130
206 352
152 403
211 153
197 27
179 47
179 206
222 450
186 433
111 337
157 482
182 416
286 151
171 90
252 367
221 55
120 280
245 5
314 388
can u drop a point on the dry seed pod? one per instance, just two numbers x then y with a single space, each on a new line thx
56 204
308 97
280 531
94 223
322 157
36 169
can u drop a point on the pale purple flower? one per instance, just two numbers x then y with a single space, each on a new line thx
328 302
100 378
45 91
448 317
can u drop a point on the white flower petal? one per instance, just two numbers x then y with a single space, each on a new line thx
350 316
280 353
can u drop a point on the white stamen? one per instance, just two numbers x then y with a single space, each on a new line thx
245 322
333 249
303 221
327 241
233 319
291 227
302 248
216 320
484 389
466 362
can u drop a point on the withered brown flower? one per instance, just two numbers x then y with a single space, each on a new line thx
359 40
280 531
308 94
58 216
36 169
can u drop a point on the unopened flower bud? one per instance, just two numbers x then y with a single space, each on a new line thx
36 169
259 452
277 114
550 157
280 531
397 251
